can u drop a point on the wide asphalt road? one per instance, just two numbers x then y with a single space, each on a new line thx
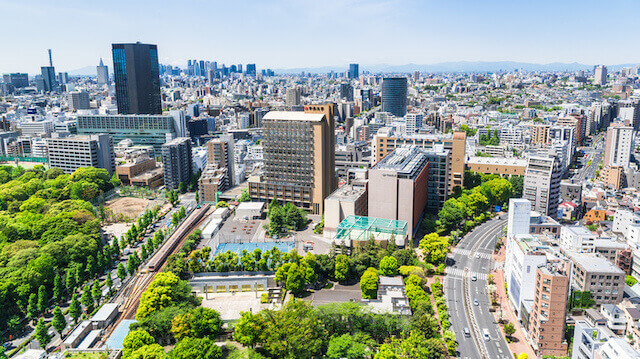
474 254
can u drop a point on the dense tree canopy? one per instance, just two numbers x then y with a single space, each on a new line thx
47 228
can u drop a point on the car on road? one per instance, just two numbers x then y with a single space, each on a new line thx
467 332
477 255
474 278
485 334
475 302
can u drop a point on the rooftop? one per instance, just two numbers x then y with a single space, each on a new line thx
594 263
348 192
105 312
405 160
502 161
362 228
293 116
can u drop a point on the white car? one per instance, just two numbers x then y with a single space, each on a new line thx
474 278
475 302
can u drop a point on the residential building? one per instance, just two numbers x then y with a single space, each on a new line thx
519 217
293 96
618 146
600 75
547 319
596 274
398 186
299 158
71 153
623 220
177 161
588 338
213 179
542 184
439 161
616 320
539 134
577 239
220 155
137 78
78 100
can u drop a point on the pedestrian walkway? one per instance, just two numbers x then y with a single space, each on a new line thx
468 253
521 345
457 272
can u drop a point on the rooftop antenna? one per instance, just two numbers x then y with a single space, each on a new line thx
50 60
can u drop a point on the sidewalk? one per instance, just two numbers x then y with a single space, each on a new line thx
520 343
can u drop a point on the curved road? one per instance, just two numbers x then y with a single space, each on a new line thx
474 253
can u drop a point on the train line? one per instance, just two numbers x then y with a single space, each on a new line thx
129 296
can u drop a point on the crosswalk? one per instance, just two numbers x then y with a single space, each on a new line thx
457 272
468 253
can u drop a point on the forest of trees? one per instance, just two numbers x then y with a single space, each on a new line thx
49 236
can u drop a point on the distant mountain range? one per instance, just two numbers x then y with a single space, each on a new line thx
458 66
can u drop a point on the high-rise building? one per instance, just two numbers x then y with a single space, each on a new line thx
299 158
103 73
629 112
251 69
398 186
293 97
618 146
519 218
413 122
152 130
63 77
78 100
49 76
218 175
542 184
137 77
177 161
600 75
18 80
220 153
346 91
71 153
547 318
439 171
354 71
394 95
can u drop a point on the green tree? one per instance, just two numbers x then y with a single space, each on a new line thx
75 310
630 281
415 346
71 280
32 307
198 323
57 289
87 299
517 184
388 266
342 267
452 213
244 197
43 300
295 278
165 290
434 248
248 329
109 282
182 188
349 347
152 351
41 334
196 348
509 329
136 339
122 272
369 283
96 292
58 321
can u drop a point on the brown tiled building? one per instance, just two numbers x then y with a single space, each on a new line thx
539 134
547 319
299 158
142 172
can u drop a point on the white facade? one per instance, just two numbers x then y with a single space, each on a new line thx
200 158
542 184
622 221
414 122
519 217
633 235
618 348
577 239
521 261
618 146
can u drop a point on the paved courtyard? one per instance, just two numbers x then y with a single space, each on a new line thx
230 305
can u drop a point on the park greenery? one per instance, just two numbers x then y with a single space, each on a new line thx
49 238
285 218
489 139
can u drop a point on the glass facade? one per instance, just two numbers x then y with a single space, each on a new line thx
137 76
394 96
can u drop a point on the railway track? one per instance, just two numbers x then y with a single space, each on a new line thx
129 297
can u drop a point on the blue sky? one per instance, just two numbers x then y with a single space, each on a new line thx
310 33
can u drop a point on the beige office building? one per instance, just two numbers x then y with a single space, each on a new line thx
384 142
299 158
540 134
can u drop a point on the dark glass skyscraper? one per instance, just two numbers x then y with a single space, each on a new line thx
394 95
354 71
137 76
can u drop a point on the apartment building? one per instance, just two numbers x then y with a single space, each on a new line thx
71 153
596 274
618 146
577 239
542 184
546 326
177 161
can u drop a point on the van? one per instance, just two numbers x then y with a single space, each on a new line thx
467 332
485 334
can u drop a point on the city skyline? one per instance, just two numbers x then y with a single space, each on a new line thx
366 32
